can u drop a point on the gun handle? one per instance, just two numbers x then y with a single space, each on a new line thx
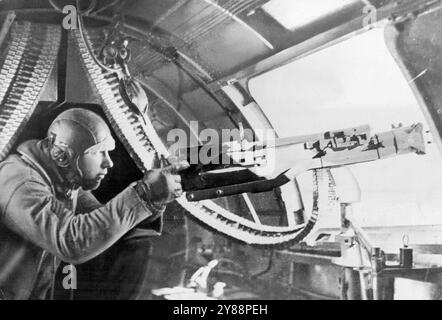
253 187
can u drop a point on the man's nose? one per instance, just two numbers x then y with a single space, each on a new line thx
107 162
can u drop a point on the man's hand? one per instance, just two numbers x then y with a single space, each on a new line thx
163 185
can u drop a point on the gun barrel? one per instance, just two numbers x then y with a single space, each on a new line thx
383 145
286 160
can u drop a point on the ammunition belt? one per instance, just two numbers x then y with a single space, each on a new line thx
30 57
126 125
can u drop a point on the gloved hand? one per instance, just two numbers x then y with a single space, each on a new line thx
163 185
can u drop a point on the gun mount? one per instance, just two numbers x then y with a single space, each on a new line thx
263 166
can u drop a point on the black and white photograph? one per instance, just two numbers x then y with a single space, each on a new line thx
230 153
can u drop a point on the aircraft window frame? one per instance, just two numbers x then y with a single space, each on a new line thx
296 14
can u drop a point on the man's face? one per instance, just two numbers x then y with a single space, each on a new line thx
94 167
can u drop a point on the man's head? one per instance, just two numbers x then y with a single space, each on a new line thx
79 143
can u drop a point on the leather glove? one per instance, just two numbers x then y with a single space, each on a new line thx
163 185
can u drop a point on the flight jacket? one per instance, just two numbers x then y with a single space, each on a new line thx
41 224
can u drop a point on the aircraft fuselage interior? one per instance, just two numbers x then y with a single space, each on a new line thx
311 129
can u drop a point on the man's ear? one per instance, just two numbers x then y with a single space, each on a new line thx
60 155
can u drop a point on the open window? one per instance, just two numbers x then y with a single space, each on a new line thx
352 83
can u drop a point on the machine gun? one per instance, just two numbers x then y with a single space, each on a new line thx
241 166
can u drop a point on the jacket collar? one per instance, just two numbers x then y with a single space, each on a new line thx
36 152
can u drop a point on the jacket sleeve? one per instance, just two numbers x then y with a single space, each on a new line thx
152 226
33 212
